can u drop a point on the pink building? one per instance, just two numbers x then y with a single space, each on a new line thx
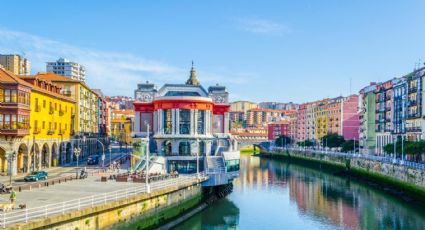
350 117
277 129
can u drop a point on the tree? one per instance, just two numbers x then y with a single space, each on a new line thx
349 146
332 140
283 141
306 143
415 148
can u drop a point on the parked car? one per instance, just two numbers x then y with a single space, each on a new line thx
93 160
36 176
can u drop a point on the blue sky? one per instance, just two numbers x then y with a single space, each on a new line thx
261 50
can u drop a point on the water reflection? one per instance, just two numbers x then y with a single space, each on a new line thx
276 195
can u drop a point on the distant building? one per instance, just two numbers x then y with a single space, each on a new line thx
367 139
242 106
15 64
278 105
67 68
261 117
277 129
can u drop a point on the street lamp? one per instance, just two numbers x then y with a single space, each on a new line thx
148 189
11 159
77 152
197 159
110 154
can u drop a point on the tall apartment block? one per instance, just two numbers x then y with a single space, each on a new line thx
67 68
15 64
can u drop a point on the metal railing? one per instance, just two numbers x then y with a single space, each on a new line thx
383 159
25 215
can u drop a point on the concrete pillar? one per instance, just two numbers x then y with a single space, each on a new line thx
12 165
136 127
176 121
192 122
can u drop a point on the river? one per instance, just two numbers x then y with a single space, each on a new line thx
272 194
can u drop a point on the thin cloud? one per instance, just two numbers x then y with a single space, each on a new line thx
114 72
262 26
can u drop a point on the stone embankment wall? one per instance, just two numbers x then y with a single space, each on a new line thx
402 173
408 180
138 212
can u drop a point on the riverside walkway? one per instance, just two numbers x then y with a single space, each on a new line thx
77 194
383 159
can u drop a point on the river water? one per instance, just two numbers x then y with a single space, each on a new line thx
272 194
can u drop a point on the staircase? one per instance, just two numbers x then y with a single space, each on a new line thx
215 165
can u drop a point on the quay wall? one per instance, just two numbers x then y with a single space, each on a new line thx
138 212
407 180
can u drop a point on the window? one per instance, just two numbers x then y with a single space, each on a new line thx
184 121
1 121
7 95
184 149
201 122
44 125
1 95
14 97
218 124
6 121
202 149
168 123
44 104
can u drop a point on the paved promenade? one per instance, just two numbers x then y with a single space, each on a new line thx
78 194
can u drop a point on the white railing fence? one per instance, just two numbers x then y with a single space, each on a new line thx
25 215
388 160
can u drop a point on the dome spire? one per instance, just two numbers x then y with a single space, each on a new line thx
192 78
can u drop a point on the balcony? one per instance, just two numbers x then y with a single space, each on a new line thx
61 112
37 108
37 130
50 132
62 131
51 111
14 132
413 89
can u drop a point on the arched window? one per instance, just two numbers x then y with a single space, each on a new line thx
166 148
184 148
202 148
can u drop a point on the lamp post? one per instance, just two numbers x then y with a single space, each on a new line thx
103 152
11 159
110 154
77 152
402 149
197 159
148 189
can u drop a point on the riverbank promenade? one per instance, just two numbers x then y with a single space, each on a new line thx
78 194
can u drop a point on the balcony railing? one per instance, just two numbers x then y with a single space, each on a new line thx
50 132
37 130
51 111
61 112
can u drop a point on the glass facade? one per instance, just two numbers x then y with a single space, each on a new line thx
168 122
184 126
232 165
184 149
185 167
201 121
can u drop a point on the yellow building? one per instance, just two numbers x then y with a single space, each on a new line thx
321 115
51 121
86 115
86 102
121 131
15 64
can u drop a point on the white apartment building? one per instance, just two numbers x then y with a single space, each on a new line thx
67 68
